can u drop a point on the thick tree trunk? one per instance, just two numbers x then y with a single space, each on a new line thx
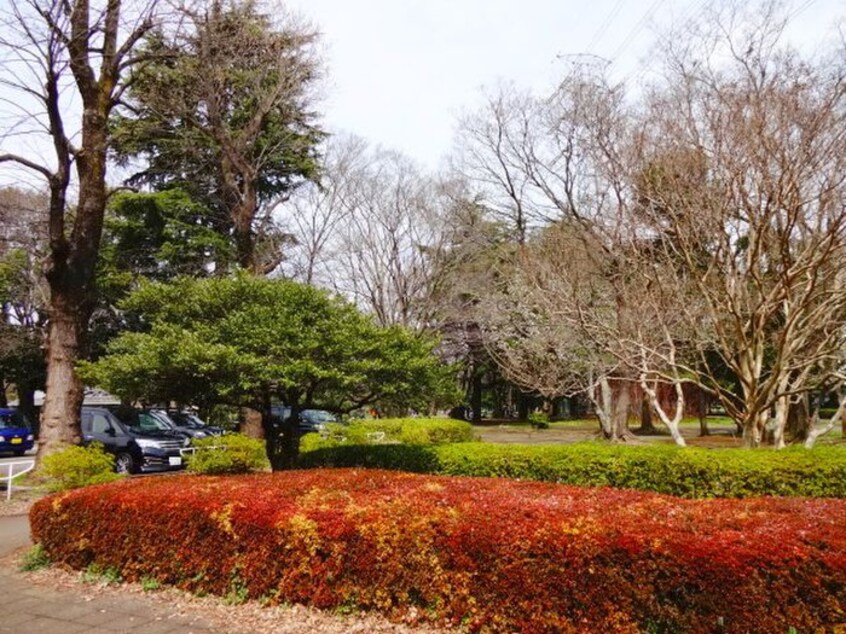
286 446
799 419
611 404
753 429
620 431
59 426
646 424
244 243
782 409
251 423
241 191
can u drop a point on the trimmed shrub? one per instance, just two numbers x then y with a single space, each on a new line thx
407 431
230 453
77 466
494 555
688 472
539 420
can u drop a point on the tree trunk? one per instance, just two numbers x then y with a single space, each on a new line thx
241 190
753 429
840 415
476 398
670 423
284 448
59 426
522 407
782 410
646 424
702 412
611 405
620 419
244 243
252 423
799 419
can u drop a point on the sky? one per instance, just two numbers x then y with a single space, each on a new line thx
400 72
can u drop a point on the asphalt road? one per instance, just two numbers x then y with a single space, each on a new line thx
8 458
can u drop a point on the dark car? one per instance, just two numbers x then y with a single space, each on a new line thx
142 419
140 442
15 433
311 420
191 424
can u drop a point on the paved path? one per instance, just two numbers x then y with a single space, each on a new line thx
14 533
35 609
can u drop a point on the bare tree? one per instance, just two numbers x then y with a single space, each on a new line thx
54 53
385 226
490 154
746 195
317 213
564 159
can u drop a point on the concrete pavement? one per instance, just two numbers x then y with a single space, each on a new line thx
28 608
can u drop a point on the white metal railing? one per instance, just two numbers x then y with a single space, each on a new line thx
11 474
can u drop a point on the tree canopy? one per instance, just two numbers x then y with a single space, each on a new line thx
224 111
250 341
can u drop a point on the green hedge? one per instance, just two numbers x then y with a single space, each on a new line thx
231 453
689 472
76 467
407 431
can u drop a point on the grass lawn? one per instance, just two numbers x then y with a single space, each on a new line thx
722 433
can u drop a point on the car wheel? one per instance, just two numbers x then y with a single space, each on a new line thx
124 463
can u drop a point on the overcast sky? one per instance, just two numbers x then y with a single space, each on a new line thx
400 71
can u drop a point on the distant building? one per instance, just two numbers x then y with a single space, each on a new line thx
93 396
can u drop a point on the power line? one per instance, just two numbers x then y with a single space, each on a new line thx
637 28
802 8
604 26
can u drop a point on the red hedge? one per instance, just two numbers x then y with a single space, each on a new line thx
496 555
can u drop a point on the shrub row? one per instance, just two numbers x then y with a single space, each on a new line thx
231 453
408 431
78 466
494 555
688 472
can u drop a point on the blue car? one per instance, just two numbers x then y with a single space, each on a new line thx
15 433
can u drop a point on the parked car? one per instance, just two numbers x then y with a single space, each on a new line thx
191 424
15 432
140 442
311 420
146 419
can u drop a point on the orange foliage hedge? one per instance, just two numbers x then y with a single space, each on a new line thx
494 555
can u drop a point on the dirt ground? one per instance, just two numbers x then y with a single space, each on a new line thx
566 432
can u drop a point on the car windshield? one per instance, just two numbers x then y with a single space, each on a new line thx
319 416
13 419
184 419
147 421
